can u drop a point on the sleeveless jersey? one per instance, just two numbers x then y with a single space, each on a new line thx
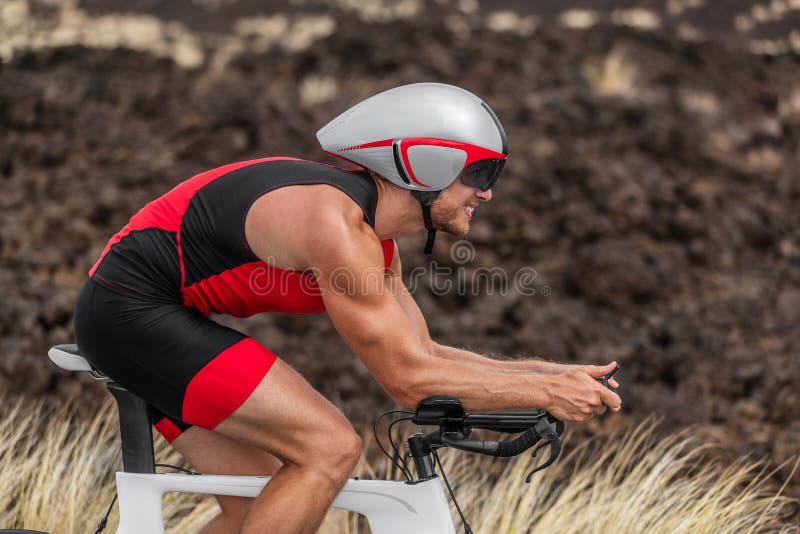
190 245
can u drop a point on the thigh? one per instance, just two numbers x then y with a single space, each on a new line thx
287 417
212 453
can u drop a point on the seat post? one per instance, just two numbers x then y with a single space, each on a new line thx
135 431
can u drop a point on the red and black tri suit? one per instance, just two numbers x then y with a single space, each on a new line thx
142 316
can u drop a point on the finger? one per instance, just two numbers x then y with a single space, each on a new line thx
605 369
600 407
613 383
599 371
594 371
610 398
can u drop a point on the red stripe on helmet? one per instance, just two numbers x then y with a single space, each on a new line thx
474 152
374 144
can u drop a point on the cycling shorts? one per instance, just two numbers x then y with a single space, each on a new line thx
190 370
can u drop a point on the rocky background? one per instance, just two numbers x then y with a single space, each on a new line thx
653 184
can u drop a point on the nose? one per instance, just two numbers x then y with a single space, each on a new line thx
484 195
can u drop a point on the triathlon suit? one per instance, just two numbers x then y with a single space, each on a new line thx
142 318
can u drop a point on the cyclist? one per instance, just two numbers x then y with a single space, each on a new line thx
286 235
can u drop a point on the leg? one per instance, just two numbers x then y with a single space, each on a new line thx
212 453
285 416
213 377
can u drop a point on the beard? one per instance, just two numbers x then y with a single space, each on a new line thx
448 217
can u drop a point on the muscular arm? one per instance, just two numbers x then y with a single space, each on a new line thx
349 263
414 315
330 238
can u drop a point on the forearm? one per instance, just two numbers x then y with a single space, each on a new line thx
499 366
477 388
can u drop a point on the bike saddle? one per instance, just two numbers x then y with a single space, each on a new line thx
69 358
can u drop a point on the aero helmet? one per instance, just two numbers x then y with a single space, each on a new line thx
421 137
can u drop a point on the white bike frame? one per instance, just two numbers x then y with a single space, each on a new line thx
390 507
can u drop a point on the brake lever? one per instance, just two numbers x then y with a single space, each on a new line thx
559 431
550 436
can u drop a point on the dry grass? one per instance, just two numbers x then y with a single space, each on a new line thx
631 484
57 475
58 472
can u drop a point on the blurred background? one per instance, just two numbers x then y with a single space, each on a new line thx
653 182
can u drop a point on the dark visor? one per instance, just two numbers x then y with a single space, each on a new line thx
482 174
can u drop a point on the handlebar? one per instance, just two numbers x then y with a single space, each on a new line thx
500 449
455 427
447 412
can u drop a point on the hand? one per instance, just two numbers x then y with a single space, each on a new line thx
595 371
576 395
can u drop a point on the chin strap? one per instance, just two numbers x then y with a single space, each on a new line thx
425 199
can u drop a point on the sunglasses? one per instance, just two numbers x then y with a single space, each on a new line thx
482 174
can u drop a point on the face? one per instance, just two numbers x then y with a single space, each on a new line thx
453 208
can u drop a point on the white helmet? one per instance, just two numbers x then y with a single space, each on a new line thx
421 137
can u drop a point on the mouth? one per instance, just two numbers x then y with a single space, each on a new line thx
468 210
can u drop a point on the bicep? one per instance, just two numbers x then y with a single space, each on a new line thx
370 320
350 274
396 287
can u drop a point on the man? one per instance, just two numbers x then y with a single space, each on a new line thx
287 235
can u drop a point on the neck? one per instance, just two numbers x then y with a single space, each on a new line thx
397 213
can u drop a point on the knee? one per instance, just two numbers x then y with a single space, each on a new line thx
337 452
351 446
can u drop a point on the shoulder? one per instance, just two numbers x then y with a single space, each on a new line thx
339 235
333 209
308 216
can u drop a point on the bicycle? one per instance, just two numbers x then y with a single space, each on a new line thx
417 504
